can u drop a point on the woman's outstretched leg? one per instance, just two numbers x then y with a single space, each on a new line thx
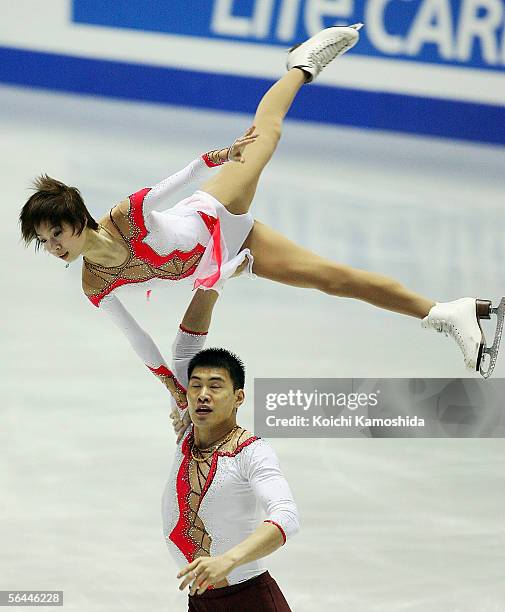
281 260
235 184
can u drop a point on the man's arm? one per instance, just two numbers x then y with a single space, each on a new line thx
189 341
263 472
199 312
206 571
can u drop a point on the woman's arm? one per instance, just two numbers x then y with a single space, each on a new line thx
158 196
156 199
144 347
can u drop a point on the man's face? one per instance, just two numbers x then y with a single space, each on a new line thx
211 398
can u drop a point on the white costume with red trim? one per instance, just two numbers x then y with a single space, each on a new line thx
196 239
238 486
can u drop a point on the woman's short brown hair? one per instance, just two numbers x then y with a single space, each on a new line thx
54 203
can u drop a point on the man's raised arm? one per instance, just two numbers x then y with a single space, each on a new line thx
189 341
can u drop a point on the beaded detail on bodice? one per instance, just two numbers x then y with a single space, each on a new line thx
126 222
195 476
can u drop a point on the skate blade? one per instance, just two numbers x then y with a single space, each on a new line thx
489 354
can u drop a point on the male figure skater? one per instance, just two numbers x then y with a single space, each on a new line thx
221 477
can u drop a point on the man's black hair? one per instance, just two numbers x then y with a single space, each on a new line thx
220 358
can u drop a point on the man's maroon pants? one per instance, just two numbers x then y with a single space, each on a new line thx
259 593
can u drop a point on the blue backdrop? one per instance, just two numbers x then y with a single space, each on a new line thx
451 32
446 37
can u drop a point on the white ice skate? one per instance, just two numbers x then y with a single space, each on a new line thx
461 320
317 52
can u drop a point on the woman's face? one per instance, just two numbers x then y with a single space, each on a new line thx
61 241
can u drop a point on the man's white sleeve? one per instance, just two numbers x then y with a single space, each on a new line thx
272 489
186 345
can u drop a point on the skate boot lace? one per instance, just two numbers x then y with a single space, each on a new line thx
449 329
322 55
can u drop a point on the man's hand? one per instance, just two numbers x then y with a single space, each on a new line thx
205 572
180 425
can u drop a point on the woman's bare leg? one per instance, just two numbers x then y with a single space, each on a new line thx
276 257
235 184
279 259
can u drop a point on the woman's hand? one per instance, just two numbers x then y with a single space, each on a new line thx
205 572
180 425
235 152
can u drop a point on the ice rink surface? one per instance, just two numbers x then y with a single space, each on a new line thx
387 525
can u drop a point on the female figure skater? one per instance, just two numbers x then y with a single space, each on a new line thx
210 235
